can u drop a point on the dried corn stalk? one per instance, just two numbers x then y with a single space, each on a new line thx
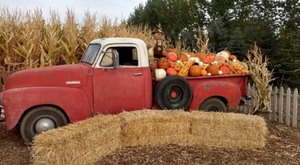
70 41
261 77
27 40
202 41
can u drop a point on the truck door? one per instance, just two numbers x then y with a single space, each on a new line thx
118 87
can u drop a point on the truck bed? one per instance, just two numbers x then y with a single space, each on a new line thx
228 88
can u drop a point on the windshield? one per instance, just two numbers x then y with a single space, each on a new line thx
90 54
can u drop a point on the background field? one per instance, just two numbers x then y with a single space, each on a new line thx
27 40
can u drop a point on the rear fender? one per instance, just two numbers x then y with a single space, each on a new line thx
72 101
225 90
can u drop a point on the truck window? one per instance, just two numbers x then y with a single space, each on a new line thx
107 60
90 54
128 56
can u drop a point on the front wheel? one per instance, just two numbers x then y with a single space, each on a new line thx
41 119
213 105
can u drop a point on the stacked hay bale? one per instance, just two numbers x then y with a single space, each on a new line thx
81 143
87 141
228 130
153 128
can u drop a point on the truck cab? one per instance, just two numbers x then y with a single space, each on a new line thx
112 76
121 75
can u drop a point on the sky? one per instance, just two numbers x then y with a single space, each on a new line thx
112 9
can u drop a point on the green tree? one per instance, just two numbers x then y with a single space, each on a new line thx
234 25
286 60
175 16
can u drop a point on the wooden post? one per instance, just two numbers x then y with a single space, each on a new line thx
281 105
288 107
270 114
248 102
252 101
295 108
249 89
275 104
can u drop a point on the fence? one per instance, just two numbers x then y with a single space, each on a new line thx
284 106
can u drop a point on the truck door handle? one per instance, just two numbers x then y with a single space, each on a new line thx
137 74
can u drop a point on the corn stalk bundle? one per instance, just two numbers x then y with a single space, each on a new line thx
261 77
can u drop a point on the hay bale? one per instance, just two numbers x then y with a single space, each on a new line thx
86 141
155 127
80 143
228 130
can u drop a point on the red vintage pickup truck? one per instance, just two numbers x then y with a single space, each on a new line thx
112 76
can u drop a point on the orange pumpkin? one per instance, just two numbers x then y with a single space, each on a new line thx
165 53
205 60
213 70
183 57
171 72
211 57
195 70
163 63
192 54
244 71
172 64
201 55
172 56
225 69
203 72
177 67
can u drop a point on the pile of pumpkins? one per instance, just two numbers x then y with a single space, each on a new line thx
198 64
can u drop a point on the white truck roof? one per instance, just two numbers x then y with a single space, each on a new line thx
140 44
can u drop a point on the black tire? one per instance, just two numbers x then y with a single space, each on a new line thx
213 105
37 115
173 92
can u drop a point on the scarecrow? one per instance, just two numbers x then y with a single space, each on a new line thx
158 36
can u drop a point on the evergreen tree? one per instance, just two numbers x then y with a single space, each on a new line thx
234 25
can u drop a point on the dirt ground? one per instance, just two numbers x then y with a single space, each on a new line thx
283 147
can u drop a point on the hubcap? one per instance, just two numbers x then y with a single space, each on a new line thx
44 124
175 94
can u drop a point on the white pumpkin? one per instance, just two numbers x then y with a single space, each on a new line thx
224 53
160 74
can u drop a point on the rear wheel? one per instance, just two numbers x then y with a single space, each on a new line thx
213 105
41 119
173 92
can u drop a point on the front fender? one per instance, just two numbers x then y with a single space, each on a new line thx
73 101
222 89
